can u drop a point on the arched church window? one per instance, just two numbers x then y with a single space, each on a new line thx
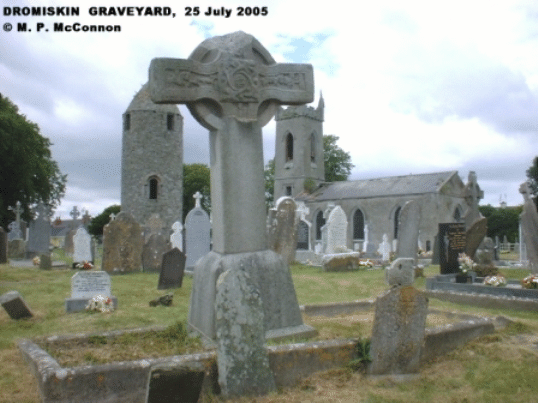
358 224
170 121
320 222
396 221
457 214
153 188
289 147
312 148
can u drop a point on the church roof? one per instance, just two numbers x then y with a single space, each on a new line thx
383 187
142 102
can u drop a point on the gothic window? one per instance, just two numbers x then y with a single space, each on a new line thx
170 121
127 122
396 221
289 147
312 148
153 188
320 222
358 224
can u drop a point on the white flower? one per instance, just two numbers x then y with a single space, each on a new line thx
100 303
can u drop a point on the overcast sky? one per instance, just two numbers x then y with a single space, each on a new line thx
409 87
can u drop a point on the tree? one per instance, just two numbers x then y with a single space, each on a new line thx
196 178
98 222
532 175
337 162
502 221
28 172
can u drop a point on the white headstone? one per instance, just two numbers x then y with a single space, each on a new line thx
176 239
82 251
384 248
197 236
86 284
336 231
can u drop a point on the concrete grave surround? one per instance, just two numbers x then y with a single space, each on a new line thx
398 331
84 286
39 232
82 246
336 230
172 269
529 228
408 230
242 359
197 236
15 305
122 245
283 230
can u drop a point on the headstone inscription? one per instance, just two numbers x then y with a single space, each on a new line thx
197 233
336 231
172 269
452 242
283 229
122 245
3 246
39 232
239 75
82 246
15 305
529 228
84 286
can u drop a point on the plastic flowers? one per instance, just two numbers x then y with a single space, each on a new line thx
466 263
100 303
495 281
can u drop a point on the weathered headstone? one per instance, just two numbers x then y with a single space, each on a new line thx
3 246
398 331
197 234
452 242
384 248
45 261
152 253
84 286
341 262
82 246
408 229
529 227
473 194
122 245
15 305
475 235
283 229
172 269
336 231
176 239
173 383
401 272
242 360
39 233
233 87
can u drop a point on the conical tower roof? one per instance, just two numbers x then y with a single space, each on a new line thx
142 102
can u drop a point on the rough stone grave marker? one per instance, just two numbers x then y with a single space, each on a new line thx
15 306
122 245
39 232
84 286
283 229
336 228
529 228
82 246
233 88
152 253
172 269
408 229
452 242
197 233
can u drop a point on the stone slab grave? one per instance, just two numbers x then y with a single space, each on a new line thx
233 87
15 305
172 270
283 231
452 242
197 233
84 286
122 245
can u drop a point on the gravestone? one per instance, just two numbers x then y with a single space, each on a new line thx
452 242
529 228
283 229
336 231
233 87
408 229
45 261
84 286
486 252
176 239
16 249
154 225
242 360
475 235
398 331
384 248
303 235
3 246
152 253
401 272
15 305
122 245
197 234
172 269
173 383
82 246
39 232
69 247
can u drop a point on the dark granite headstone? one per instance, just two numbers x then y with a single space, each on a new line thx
172 269
175 384
302 235
15 306
451 243
3 246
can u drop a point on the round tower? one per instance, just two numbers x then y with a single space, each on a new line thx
152 160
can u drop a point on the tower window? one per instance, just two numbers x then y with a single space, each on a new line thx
153 188
170 121
312 148
127 122
289 147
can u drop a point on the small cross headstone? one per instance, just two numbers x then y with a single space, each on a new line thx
84 286
15 305
75 214
172 270
197 200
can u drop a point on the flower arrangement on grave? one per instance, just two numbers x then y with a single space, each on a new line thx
366 263
100 303
85 266
530 282
36 261
466 263
495 281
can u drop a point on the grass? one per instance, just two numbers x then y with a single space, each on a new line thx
499 368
